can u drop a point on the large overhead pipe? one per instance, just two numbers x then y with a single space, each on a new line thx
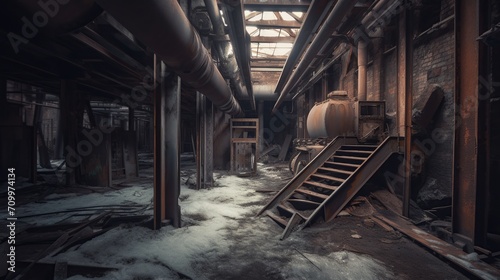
229 64
235 16
341 9
162 26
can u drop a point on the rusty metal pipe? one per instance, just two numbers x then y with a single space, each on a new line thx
334 19
229 63
162 26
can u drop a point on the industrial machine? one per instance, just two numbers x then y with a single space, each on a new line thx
338 116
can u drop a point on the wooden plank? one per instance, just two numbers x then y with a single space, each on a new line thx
447 251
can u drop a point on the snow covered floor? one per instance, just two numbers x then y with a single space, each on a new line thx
220 239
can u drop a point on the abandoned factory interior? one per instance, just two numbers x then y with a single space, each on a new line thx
249 139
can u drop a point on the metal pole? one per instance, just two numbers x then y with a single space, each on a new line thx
157 151
171 92
408 86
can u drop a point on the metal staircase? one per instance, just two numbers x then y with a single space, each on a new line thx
328 182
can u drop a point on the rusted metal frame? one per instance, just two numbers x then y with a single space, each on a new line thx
171 92
316 13
341 9
309 169
406 78
465 188
351 186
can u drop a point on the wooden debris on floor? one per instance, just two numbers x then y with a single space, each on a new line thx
37 242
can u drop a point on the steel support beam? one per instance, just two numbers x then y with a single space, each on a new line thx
171 91
465 189
204 140
166 148
68 103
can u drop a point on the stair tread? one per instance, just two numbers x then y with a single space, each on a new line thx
311 193
343 163
291 200
357 146
277 218
336 170
321 185
328 177
349 157
356 152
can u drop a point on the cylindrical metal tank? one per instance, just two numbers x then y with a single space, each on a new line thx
331 118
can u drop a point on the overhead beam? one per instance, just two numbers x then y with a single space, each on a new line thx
266 65
263 39
273 24
277 5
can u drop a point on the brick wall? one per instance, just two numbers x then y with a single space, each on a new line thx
434 64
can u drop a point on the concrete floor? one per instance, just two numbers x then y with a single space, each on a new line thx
221 237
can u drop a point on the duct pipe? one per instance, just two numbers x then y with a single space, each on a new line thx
332 22
362 86
229 64
162 25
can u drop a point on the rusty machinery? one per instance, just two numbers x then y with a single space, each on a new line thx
338 116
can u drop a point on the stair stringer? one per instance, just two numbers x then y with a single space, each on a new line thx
353 184
309 169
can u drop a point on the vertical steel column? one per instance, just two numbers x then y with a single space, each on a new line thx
131 121
158 150
260 113
464 208
208 120
68 100
171 93
407 16
204 140
200 147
